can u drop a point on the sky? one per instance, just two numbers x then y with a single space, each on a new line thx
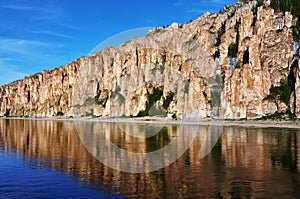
39 35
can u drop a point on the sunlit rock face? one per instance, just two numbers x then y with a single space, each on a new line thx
44 94
220 65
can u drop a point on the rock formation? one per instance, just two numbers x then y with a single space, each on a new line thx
220 65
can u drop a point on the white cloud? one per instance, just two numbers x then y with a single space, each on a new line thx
40 11
9 72
18 56
21 42
20 7
19 47
217 1
51 33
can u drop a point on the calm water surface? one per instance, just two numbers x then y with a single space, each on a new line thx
47 159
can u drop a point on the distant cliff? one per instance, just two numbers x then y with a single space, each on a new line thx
238 63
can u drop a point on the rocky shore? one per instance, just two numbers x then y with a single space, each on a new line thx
165 121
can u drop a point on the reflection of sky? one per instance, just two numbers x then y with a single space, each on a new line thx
37 35
22 178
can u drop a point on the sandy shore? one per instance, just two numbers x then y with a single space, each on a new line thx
163 121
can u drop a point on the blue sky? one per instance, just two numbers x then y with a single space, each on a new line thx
39 35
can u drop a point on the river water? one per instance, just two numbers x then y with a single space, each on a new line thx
56 159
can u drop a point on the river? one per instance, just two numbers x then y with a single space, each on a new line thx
68 159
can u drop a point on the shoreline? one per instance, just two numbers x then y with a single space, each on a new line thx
166 121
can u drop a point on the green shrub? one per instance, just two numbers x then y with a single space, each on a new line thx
215 99
7 112
101 101
237 29
59 113
116 92
260 3
89 101
296 31
279 116
221 31
153 97
158 111
121 98
217 54
174 116
233 50
167 101
292 6
237 25
186 86
282 92
164 58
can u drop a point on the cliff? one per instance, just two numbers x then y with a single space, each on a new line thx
238 63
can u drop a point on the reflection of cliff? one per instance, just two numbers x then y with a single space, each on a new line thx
219 65
245 162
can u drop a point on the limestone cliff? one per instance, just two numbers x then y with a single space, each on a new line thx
221 65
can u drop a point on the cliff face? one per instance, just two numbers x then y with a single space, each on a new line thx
44 94
221 65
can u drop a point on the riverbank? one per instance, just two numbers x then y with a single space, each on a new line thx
165 121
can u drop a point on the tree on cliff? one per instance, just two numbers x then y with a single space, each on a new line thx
292 6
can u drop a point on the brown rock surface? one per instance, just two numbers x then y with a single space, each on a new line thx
174 60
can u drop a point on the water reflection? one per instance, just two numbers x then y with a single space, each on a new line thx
245 162
154 152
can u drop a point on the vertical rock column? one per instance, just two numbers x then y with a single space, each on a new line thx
297 90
